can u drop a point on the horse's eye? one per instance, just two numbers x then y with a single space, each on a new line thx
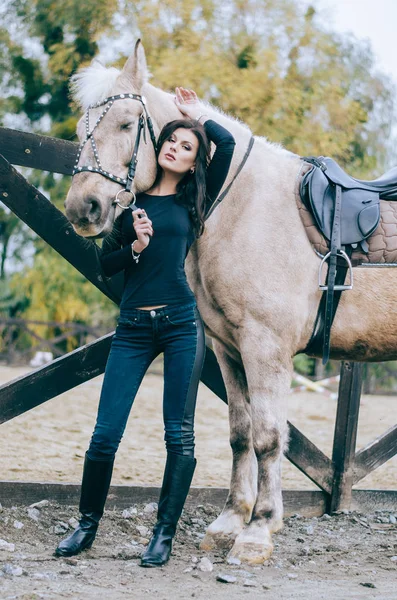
126 126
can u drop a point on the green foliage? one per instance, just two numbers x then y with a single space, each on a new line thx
303 364
268 62
11 301
14 236
277 69
55 291
67 32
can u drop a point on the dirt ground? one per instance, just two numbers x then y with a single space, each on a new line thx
340 557
49 442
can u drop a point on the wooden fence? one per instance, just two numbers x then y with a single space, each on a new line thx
334 476
21 338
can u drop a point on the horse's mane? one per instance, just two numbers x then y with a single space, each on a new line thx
96 82
93 84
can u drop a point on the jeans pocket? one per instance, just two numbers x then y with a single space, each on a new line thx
127 322
185 317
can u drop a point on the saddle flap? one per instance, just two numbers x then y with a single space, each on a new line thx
360 212
314 189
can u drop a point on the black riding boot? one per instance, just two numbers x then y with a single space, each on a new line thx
94 489
178 475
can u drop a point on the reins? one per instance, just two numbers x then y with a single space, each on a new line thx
226 191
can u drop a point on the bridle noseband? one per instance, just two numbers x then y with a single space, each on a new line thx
144 120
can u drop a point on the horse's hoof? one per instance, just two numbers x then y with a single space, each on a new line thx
218 541
254 544
222 532
252 553
276 526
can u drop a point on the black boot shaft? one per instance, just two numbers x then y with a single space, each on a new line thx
94 489
178 476
95 485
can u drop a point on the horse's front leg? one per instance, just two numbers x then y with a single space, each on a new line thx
268 377
242 493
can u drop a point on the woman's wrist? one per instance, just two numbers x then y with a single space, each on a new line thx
202 118
194 112
137 247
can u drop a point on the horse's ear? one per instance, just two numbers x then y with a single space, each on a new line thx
135 69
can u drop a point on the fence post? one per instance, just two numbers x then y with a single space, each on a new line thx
345 435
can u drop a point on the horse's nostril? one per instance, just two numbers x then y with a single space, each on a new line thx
94 211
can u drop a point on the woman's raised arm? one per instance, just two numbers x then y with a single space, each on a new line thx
189 105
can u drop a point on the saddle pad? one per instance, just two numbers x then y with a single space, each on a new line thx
382 243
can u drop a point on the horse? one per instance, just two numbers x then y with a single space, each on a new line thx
255 277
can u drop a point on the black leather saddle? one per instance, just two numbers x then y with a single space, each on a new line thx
360 210
347 212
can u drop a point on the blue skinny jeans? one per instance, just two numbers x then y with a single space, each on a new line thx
140 336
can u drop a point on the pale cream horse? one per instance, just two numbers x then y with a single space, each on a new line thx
254 275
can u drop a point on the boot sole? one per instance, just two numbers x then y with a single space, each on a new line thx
59 552
150 565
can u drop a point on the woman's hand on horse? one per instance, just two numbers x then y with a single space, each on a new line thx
143 229
188 103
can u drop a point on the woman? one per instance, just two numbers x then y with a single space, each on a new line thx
158 313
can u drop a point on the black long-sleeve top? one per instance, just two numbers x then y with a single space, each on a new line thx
159 276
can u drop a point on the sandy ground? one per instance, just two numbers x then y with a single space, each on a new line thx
48 443
346 556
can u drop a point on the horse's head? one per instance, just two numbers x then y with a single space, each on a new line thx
108 133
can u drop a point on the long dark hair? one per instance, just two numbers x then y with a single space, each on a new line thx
191 190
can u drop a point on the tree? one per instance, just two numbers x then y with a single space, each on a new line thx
268 62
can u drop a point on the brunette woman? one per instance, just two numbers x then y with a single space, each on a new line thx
158 313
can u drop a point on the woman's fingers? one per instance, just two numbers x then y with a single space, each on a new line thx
143 220
140 216
142 224
137 212
179 96
185 95
143 227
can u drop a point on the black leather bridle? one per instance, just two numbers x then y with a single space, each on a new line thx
143 122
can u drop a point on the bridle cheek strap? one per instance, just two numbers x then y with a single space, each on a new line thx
134 159
144 120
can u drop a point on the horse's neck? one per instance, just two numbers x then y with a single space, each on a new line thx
163 109
263 192
160 104
268 166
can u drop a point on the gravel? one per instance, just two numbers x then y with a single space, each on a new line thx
330 556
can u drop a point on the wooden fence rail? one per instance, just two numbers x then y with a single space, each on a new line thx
38 151
11 331
335 477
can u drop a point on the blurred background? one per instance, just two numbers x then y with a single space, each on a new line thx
315 76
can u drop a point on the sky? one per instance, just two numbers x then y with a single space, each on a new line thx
373 19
